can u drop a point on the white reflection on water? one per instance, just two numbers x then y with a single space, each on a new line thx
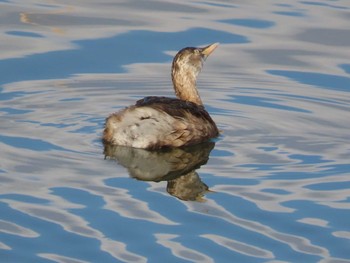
278 87
180 251
76 225
297 243
14 229
239 246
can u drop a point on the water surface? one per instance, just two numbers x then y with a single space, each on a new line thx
274 187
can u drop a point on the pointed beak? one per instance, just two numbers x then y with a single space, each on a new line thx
206 51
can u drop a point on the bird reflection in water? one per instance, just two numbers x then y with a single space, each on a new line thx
177 166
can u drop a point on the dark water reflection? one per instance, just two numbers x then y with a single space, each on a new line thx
277 87
176 166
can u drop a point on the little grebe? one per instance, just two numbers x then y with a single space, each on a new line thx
158 122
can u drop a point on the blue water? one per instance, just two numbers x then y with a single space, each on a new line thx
274 187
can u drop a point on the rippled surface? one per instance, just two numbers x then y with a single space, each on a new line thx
273 188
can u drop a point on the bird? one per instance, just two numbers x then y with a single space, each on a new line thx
157 122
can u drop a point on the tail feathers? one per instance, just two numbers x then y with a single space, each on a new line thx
142 127
150 128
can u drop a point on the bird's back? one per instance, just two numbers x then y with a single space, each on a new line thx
157 122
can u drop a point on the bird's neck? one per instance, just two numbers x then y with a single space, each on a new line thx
185 86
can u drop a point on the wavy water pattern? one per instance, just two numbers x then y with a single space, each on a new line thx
274 187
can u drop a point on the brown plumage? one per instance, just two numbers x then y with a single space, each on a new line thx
158 122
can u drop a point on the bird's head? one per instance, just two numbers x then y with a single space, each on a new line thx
190 60
186 66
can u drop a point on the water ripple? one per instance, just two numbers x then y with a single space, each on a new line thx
272 188
334 82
